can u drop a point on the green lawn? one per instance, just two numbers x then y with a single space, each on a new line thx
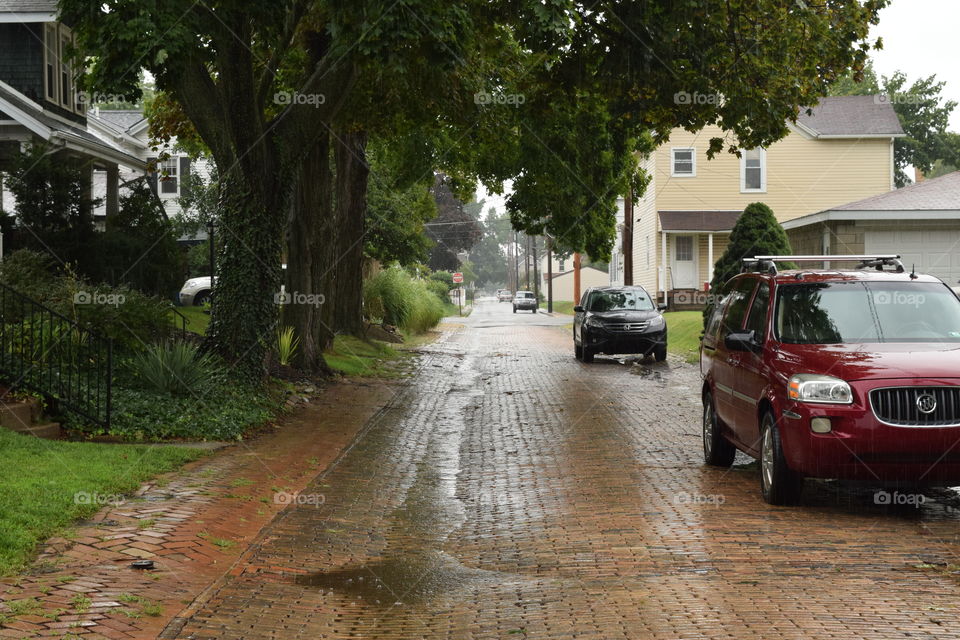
198 319
45 485
560 307
683 333
355 357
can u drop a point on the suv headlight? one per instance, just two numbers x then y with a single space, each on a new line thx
594 323
656 322
812 387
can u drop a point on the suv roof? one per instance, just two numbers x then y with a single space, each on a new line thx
871 268
834 275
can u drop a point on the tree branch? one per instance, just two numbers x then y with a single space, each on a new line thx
297 11
200 100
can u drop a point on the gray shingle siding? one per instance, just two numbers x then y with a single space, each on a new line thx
21 58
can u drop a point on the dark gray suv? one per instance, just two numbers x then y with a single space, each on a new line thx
618 320
525 301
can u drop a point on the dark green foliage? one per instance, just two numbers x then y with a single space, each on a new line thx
175 368
453 230
395 298
757 233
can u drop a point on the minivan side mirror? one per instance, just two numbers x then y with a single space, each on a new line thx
662 306
741 341
578 309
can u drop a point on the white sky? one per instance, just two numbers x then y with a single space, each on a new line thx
920 39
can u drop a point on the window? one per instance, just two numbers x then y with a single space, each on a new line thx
624 299
683 162
50 61
169 176
560 264
757 320
736 306
753 170
684 248
66 74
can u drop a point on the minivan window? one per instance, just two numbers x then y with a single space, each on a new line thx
624 299
757 320
854 312
736 305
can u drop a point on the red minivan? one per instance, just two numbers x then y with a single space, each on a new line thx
825 373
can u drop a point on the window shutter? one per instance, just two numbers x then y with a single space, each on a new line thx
184 172
152 174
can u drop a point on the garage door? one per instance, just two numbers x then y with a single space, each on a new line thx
933 251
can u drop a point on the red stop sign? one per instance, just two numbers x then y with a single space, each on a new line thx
458 277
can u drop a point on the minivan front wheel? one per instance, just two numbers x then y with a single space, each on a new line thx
779 484
717 450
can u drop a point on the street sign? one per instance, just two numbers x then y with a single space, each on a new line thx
458 277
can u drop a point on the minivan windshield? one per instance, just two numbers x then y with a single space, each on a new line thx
851 312
622 299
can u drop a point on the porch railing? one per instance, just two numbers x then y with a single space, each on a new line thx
46 352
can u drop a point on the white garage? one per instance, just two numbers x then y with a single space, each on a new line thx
920 222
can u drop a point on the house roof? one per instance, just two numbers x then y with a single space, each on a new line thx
851 116
28 6
698 220
32 117
933 199
121 119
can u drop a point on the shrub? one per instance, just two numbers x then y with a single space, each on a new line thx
287 344
175 368
395 298
441 290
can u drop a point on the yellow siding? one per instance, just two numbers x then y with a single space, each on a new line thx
803 176
646 240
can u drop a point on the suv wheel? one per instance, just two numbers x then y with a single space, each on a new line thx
717 450
779 484
586 354
660 352
201 298
577 351
514 309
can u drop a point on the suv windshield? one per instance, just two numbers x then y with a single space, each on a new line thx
524 294
838 312
617 300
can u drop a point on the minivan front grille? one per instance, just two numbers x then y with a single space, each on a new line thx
917 406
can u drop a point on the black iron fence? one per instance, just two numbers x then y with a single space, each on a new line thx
46 352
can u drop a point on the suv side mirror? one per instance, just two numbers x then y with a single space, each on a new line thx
578 309
741 341
662 306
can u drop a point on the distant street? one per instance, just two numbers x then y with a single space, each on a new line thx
509 491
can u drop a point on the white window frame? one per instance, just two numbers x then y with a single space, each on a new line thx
763 171
164 176
693 162
63 68
51 59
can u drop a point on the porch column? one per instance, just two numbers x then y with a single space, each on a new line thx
113 190
663 265
709 257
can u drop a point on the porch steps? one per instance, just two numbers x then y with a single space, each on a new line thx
26 417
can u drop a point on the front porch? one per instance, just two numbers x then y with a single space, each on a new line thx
690 243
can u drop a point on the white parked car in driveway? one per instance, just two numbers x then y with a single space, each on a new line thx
196 291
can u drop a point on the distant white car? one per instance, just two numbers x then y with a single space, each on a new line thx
196 291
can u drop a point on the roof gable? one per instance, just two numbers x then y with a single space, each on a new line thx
851 116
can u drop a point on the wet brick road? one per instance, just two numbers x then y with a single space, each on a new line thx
512 492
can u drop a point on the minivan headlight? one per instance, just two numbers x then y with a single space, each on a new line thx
812 387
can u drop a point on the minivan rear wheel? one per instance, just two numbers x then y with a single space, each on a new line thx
717 450
779 484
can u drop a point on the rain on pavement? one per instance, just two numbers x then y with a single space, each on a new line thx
509 491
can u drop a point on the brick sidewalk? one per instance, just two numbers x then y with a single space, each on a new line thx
193 524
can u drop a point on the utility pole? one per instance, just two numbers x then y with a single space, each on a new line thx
628 238
526 263
536 280
516 263
549 274
576 278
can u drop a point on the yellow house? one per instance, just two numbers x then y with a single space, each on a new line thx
841 152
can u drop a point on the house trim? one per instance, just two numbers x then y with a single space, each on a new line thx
27 17
875 215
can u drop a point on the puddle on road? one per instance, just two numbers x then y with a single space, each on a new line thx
656 372
414 578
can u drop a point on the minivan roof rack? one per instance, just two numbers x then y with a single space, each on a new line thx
878 262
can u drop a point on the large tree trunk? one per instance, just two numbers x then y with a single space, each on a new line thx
311 233
352 174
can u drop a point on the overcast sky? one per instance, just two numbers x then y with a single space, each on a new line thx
920 38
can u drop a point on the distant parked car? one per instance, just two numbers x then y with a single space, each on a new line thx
525 301
504 295
196 291
616 320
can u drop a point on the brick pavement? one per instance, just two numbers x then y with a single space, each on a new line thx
510 491
192 523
